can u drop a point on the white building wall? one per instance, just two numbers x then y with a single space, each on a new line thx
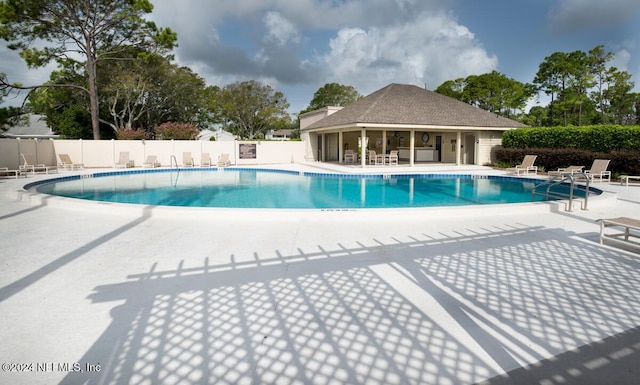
309 118
311 139
487 142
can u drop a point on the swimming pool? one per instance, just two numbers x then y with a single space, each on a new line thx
262 188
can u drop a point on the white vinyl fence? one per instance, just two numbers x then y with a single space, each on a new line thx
104 153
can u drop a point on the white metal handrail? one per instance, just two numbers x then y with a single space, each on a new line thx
174 161
562 178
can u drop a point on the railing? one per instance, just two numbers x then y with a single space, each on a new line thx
174 161
559 180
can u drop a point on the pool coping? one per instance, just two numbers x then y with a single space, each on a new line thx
599 199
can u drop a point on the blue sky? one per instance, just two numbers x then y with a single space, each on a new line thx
296 46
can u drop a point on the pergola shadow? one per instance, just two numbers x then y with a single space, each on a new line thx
461 307
613 360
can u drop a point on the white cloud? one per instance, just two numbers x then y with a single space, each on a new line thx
573 15
392 34
431 49
621 60
307 43
303 14
290 43
280 30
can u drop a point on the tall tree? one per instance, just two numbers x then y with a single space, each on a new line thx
453 89
580 80
536 117
93 30
619 97
332 94
635 109
598 60
65 107
250 109
126 88
492 91
137 94
149 90
551 78
182 97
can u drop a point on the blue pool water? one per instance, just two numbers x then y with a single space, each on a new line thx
251 188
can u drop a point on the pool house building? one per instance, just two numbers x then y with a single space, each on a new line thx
417 124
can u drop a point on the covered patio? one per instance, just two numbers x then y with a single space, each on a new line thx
420 125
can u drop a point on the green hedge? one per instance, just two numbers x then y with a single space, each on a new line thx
623 162
602 138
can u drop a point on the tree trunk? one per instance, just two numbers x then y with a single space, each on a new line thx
564 103
551 110
580 114
93 96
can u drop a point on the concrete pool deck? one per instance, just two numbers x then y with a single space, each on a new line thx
147 295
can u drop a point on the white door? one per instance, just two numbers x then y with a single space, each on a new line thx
469 153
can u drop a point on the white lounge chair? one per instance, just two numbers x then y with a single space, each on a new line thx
151 162
30 165
5 172
123 161
67 164
223 160
566 170
526 167
376 159
371 155
598 171
187 159
205 160
392 158
624 179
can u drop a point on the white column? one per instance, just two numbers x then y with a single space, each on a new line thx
384 141
340 147
412 147
458 147
20 160
363 146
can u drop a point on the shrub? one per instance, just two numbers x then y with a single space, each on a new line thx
178 131
605 138
131 134
622 161
626 162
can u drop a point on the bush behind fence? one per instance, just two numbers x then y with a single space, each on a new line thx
623 162
602 138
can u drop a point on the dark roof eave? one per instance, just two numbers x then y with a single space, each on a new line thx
401 126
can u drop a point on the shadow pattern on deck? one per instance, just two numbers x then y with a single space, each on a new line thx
460 308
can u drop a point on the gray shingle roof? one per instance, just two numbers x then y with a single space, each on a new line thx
411 105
